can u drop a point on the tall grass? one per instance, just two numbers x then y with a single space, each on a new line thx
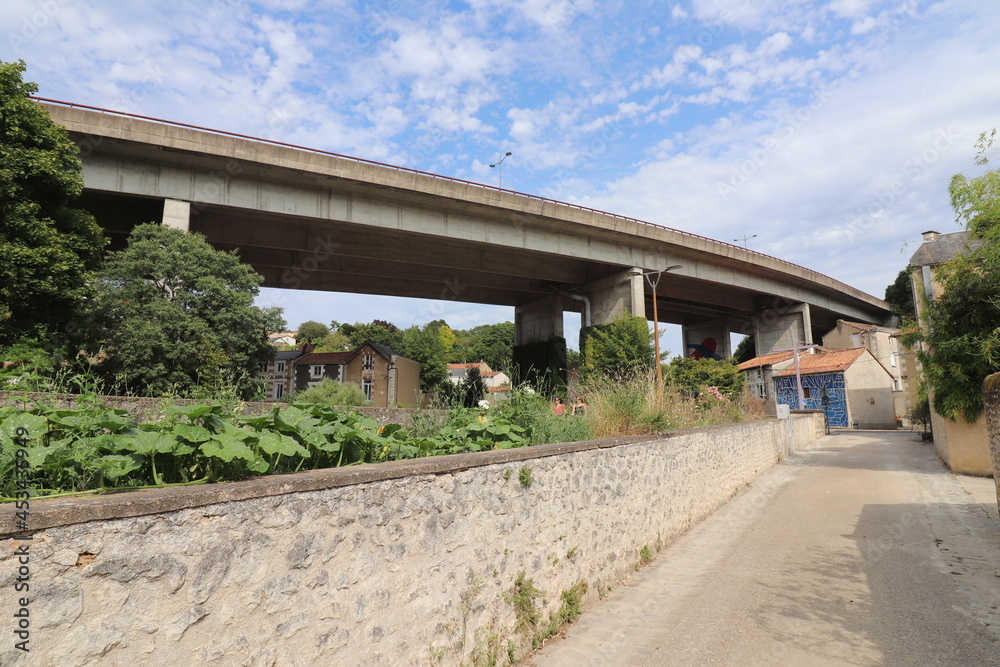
633 404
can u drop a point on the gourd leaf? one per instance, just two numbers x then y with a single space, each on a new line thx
227 447
277 443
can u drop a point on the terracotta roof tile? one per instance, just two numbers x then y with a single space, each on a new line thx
827 362
765 360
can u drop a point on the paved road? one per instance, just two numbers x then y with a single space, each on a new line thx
861 551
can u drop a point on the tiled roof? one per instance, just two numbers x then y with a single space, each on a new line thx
765 360
869 327
461 366
324 358
827 362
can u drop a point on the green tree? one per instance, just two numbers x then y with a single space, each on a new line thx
379 332
689 375
48 248
494 344
473 388
175 315
424 345
960 329
900 295
313 332
746 350
623 346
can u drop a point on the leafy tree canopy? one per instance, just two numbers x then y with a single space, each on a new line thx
623 346
424 345
47 248
690 375
177 316
900 295
313 332
379 332
961 329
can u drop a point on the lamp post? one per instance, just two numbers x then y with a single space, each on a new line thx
744 239
499 165
653 278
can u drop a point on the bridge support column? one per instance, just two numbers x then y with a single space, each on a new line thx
771 327
615 295
707 340
177 214
539 344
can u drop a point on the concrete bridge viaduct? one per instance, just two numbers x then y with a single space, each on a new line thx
308 219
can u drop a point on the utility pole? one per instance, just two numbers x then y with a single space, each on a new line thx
794 349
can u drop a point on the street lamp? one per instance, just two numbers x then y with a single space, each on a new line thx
499 164
745 239
653 278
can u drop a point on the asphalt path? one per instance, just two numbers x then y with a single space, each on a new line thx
863 550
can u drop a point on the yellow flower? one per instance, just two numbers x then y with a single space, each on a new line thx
482 419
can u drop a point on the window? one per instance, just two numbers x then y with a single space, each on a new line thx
892 359
316 371
369 362
806 393
895 384
762 391
279 390
281 367
366 387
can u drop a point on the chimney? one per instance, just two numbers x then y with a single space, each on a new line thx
930 235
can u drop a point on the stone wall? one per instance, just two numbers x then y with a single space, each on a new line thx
151 409
401 563
991 398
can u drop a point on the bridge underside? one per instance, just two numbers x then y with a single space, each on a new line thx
296 252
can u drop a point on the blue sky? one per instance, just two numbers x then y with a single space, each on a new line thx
828 129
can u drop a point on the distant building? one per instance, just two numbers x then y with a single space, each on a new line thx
963 447
759 376
851 386
283 338
278 374
386 378
883 343
497 383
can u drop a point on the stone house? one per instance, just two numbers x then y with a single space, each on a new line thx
963 447
851 386
883 343
278 374
386 378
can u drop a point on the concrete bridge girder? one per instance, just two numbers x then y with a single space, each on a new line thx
430 234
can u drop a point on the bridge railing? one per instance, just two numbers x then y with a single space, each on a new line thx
453 179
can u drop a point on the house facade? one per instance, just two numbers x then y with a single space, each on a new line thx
851 386
386 378
758 374
883 343
962 446
497 383
278 375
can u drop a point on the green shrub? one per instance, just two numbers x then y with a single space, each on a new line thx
330 392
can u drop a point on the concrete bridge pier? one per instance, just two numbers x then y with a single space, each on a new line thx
707 340
177 214
771 327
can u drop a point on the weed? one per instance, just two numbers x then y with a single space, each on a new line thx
487 651
523 598
573 553
511 651
506 475
645 556
524 476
